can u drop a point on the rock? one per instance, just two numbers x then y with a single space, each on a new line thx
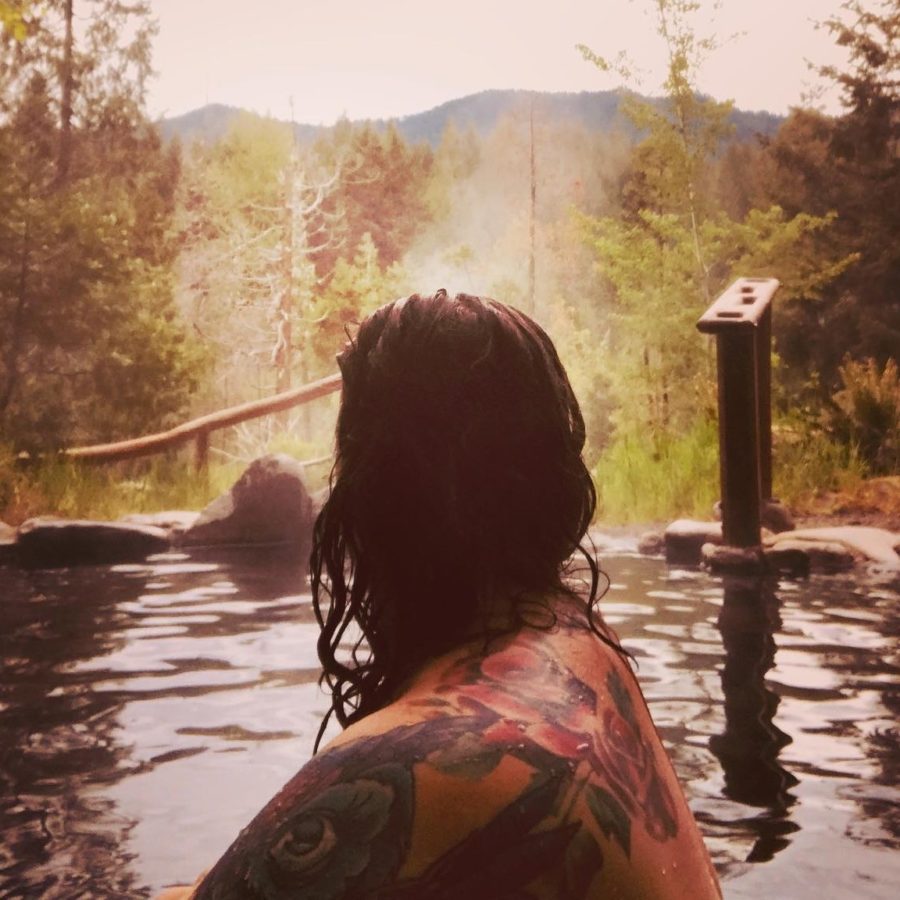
652 543
173 521
50 543
736 560
269 504
821 556
613 542
789 559
9 550
776 517
858 541
684 539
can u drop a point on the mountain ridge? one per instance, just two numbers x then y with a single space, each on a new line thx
595 110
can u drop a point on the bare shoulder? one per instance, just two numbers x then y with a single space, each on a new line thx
506 775
370 818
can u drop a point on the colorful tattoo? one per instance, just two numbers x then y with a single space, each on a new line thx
344 826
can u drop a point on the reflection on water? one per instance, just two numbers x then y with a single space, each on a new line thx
146 712
750 744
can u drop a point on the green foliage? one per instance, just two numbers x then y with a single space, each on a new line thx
848 166
56 486
357 288
674 248
807 460
456 159
584 352
90 347
237 262
867 414
645 478
12 18
381 190
285 245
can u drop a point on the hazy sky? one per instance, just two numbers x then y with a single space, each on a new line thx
378 58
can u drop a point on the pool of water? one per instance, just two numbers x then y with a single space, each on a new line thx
147 711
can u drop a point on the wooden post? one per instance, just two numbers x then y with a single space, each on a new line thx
741 321
764 401
532 212
739 438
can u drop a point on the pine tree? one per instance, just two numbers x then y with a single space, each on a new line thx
90 345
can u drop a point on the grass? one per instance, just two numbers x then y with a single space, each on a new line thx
64 488
638 479
72 490
643 480
806 462
646 480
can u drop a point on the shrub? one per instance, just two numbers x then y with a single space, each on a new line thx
867 413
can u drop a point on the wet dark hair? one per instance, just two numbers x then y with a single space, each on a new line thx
458 476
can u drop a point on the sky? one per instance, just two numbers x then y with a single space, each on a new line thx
385 58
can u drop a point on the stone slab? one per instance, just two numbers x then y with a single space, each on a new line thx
803 556
863 542
174 521
51 543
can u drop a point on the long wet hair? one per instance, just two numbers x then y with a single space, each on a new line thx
458 478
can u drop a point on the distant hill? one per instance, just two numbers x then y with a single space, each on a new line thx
596 110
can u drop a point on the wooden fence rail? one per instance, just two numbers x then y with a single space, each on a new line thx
200 429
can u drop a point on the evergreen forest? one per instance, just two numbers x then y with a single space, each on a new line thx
145 280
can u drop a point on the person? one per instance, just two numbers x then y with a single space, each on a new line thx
496 744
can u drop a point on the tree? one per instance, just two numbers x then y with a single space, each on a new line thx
254 229
90 345
849 165
674 248
381 191
357 287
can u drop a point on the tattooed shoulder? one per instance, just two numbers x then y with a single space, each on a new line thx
370 818
519 781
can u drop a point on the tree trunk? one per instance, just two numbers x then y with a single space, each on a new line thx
14 349
531 220
65 115
283 360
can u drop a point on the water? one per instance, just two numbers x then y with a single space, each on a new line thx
146 712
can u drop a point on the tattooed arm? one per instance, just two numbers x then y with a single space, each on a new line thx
376 818
507 777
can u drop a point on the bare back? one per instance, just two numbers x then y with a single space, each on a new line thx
528 769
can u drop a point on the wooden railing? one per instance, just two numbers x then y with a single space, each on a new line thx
199 430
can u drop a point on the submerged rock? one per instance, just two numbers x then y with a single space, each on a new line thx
684 539
735 560
652 543
268 505
51 543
